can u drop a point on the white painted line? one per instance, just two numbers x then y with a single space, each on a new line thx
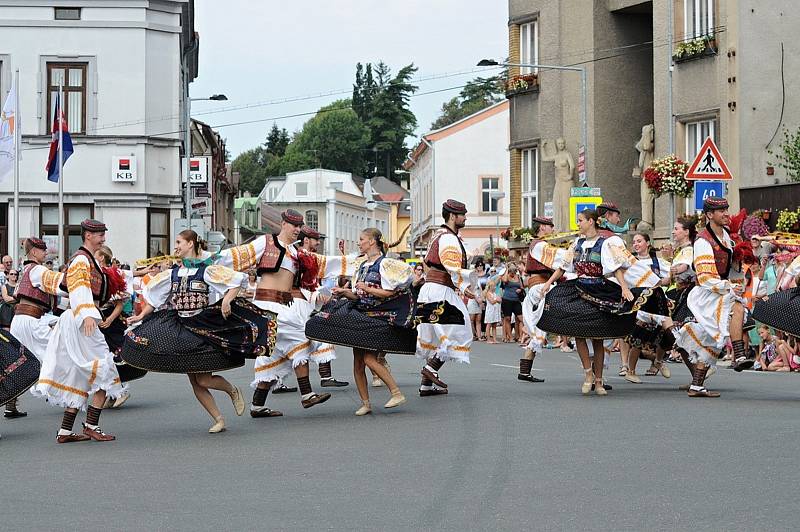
512 367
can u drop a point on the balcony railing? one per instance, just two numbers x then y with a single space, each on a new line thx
692 49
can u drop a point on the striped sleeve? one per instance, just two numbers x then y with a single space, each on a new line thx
242 258
450 257
80 290
706 269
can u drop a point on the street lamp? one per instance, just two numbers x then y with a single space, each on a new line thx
497 196
187 147
584 112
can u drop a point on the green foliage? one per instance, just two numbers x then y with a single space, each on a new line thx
789 156
477 94
252 168
277 141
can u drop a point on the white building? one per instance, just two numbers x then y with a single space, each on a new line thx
330 202
120 63
467 161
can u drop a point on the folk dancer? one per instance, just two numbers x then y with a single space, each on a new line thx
77 364
715 302
447 336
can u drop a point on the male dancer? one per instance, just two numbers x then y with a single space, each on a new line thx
610 220
77 363
715 302
284 273
33 313
542 260
449 335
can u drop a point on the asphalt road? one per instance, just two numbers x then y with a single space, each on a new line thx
495 454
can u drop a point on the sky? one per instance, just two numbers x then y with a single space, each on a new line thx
260 53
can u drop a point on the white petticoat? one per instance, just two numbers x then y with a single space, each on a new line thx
292 348
447 342
705 337
532 311
33 333
75 366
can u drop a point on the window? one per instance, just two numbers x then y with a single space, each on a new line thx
489 185
336 185
157 232
73 78
301 189
312 220
529 46
74 214
698 19
697 133
273 192
530 184
67 13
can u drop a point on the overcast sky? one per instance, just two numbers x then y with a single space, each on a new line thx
259 51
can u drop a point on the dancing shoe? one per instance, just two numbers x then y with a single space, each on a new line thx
121 400
665 371
743 363
109 402
263 411
528 377
71 437
97 434
282 388
376 381
606 387
703 392
332 383
587 385
396 400
432 391
237 400
600 390
217 427
315 399
14 414
433 376
632 378
364 410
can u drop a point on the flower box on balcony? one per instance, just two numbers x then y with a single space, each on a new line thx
522 85
695 49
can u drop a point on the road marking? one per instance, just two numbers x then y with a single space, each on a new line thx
512 367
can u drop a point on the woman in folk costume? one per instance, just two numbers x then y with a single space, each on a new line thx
77 363
781 310
196 337
443 330
598 304
715 303
376 316
33 314
542 260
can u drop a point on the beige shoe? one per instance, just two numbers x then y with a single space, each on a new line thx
108 403
217 427
599 389
376 381
237 400
396 400
121 400
665 371
364 410
588 377
633 378
623 371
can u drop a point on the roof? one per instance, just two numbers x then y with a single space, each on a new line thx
455 127
270 218
238 202
383 186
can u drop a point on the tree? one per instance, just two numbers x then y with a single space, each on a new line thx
277 141
477 94
252 168
789 156
335 138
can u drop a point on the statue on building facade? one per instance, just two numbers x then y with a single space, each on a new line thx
564 168
646 148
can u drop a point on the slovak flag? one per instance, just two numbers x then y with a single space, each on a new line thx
52 160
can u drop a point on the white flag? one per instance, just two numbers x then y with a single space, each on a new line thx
8 126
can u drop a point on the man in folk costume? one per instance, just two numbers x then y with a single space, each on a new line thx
310 240
542 260
715 302
77 363
444 332
611 219
287 276
33 318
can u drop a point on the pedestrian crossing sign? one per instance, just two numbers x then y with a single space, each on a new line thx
580 204
709 164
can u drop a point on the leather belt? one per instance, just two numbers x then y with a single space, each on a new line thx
27 309
275 296
437 276
537 278
298 294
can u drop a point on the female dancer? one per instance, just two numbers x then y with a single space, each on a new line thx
598 304
193 329
381 291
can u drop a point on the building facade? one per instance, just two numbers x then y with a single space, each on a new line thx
331 202
727 86
120 64
468 161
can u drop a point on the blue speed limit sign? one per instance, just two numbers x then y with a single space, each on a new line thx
705 189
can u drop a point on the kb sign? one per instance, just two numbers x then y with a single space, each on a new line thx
123 169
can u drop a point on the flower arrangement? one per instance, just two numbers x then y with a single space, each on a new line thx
521 83
788 220
754 225
693 47
668 175
525 234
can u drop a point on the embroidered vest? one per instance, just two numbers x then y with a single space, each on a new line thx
26 290
270 261
97 278
534 266
723 256
588 261
432 258
190 292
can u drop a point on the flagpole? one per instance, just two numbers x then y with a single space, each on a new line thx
17 153
60 113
